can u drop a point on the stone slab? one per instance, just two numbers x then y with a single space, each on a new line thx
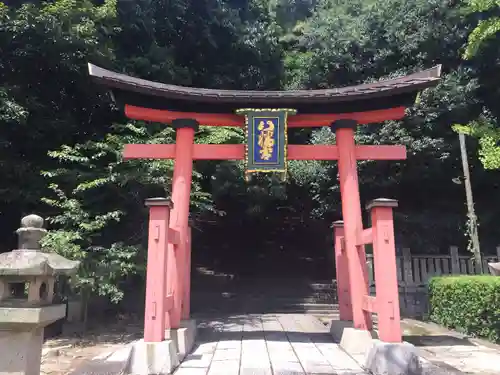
227 367
341 362
204 348
197 361
287 368
385 358
254 370
109 363
148 358
227 354
191 371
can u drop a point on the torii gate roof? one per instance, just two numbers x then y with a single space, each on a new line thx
384 94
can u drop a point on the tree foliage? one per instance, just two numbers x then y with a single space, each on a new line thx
485 127
486 29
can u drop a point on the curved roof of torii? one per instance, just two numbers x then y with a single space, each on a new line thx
378 95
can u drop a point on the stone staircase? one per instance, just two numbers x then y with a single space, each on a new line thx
261 296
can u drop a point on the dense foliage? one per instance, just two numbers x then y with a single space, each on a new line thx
470 304
485 128
61 136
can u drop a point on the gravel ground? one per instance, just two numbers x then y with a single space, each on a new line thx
63 355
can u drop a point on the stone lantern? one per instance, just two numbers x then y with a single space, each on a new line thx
494 268
27 277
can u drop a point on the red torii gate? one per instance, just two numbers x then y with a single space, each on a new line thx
343 109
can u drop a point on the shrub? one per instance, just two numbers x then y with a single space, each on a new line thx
469 304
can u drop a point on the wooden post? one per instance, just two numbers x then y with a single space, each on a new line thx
342 271
353 223
430 267
186 289
416 274
156 274
407 267
386 279
369 269
455 260
498 253
181 189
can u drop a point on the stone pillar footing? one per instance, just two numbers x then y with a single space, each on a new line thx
153 358
183 337
375 356
356 341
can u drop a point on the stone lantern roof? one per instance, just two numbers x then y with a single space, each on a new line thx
29 260
494 268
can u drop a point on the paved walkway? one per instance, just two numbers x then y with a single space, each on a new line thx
284 344
451 350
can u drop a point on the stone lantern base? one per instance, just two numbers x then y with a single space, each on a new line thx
21 337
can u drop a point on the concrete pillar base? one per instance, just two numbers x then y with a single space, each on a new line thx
152 358
337 328
357 343
183 337
385 358
352 340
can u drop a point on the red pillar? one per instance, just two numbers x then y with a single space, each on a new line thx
181 189
342 271
386 279
353 223
156 273
186 288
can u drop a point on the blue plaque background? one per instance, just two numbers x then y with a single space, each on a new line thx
277 153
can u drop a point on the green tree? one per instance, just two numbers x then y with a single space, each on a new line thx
45 98
97 206
346 42
487 27
485 127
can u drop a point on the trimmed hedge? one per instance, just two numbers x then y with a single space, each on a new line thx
469 304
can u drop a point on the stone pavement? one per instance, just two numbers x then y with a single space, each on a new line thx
452 351
277 344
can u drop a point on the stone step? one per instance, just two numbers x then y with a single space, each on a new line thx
207 285
260 288
261 304
264 294
262 297
270 293
315 308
